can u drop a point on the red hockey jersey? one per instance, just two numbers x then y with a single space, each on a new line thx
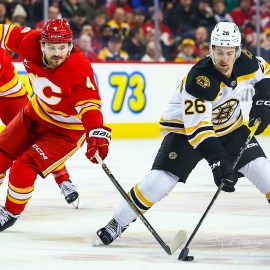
64 94
10 84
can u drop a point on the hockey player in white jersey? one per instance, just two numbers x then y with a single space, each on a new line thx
203 120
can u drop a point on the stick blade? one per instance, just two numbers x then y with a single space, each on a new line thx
178 240
184 254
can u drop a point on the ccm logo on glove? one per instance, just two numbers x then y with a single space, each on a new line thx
213 166
263 102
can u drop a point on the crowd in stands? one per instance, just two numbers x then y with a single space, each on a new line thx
124 30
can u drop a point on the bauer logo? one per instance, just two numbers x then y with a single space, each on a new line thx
102 134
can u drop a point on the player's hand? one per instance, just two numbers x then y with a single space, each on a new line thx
260 109
98 139
223 172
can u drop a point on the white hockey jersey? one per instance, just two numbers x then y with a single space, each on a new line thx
207 104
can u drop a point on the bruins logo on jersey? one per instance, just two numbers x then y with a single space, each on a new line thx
261 65
224 112
203 81
247 53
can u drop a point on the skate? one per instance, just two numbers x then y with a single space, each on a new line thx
70 193
109 233
6 219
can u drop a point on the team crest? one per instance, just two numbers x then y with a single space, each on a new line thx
224 112
25 30
203 81
247 53
233 83
172 155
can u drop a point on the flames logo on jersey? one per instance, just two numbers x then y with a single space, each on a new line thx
224 112
203 81
25 30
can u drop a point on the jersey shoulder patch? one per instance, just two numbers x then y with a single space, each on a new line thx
246 64
201 81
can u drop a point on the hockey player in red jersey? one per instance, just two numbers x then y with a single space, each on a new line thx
13 97
203 119
64 112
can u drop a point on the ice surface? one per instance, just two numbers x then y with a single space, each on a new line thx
53 235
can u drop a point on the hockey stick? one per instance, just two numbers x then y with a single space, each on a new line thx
184 253
179 238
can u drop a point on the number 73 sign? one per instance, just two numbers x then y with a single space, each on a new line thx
128 88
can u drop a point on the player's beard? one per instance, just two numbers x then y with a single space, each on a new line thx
56 61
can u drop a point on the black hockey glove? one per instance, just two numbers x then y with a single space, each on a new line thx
260 109
223 172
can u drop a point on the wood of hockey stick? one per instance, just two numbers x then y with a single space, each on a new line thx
184 253
179 238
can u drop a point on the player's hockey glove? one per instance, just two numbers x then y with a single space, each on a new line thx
98 139
223 172
260 109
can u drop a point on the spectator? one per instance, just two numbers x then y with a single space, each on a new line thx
133 44
147 5
231 4
250 33
150 53
220 13
118 24
53 13
201 36
3 14
204 15
165 32
114 50
204 50
106 33
92 7
181 17
112 6
29 8
265 43
68 8
99 20
138 18
84 44
88 30
186 51
19 15
264 12
77 22
242 13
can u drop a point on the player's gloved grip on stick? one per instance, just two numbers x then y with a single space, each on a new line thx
260 109
98 139
223 172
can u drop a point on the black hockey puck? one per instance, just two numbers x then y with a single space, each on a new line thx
189 258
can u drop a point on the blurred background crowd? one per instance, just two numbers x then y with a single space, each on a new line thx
124 30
